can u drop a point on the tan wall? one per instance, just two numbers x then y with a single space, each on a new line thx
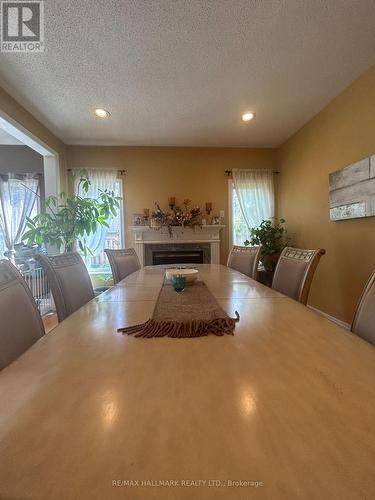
20 159
154 174
342 133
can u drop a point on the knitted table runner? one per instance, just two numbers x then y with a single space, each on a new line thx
192 313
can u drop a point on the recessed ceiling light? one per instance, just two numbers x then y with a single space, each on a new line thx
248 117
102 113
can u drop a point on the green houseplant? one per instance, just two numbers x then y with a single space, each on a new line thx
70 219
271 235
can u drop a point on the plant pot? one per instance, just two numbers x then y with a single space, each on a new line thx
269 261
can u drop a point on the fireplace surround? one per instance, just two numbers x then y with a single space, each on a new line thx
190 245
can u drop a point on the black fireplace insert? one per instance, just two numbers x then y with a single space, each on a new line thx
160 257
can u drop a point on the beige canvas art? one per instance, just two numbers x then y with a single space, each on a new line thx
352 190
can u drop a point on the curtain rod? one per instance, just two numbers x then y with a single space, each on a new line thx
120 172
228 173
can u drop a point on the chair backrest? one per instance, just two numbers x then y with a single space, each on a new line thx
69 281
294 272
245 260
123 262
20 322
364 318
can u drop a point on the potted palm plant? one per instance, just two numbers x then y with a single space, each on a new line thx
271 235
69 220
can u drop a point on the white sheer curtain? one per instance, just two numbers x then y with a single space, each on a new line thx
18 195
255 197
100 179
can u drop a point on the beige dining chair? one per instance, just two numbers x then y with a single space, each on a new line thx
123 262
294 272
21 324
364 318
245 260
69 281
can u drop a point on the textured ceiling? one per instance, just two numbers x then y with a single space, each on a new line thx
181 72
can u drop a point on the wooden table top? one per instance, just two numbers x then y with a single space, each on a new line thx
288 402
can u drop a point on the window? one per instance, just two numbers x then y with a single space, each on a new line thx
98 265
18 199
2 244
112 237
251 194
240 231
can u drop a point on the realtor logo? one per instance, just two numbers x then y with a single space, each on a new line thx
22 26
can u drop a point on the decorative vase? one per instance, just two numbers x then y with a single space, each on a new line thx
179 282
155 223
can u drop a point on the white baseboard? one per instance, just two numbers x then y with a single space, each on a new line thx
331 318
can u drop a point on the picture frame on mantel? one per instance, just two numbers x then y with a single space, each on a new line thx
139 220
352 191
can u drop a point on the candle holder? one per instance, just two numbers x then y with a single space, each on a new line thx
208 208
172 202
146 215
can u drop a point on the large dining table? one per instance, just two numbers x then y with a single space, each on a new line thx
284 409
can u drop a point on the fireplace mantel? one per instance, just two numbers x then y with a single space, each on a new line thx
143 235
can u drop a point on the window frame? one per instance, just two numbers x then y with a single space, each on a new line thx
122 210
230 212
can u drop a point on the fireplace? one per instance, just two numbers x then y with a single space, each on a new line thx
177 253
185 245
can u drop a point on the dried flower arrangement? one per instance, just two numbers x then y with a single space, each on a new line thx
185 217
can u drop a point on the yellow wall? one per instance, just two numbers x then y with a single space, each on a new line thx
339 135
154 174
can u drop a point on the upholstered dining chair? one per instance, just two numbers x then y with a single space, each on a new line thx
294 272
123 262
69 281
21 324
364 318
245 260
